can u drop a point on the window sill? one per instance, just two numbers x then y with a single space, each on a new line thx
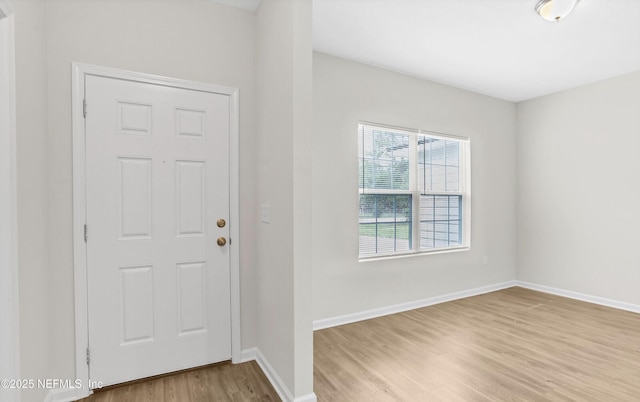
415 254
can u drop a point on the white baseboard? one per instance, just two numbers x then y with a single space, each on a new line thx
307 398
247 355
398 308
635 308
65 394
273 377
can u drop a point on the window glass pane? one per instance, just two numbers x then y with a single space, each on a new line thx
441 233
438 179
437 151
452 153
392 165
424 177
441 208
453 178
454 230
438 164
440 224
383 159
427 240
384 223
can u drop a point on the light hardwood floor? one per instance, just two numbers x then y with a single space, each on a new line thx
510 345
218 382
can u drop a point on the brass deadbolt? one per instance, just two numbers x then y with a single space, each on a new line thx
221 223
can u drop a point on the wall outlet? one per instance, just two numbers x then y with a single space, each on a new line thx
265 213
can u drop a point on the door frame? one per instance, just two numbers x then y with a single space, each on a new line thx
79 71
9 309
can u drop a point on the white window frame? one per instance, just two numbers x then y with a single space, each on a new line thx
464 191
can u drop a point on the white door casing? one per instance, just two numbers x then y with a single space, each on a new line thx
161 294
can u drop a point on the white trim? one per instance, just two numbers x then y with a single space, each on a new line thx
393 256
273 377
234 224
248 355
405 130
79 247
307 398
79 71
9 309
398 308
275 380
64 394
635 308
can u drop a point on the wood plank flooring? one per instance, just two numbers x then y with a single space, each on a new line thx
218 382
510 345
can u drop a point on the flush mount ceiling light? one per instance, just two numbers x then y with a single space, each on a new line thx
555 10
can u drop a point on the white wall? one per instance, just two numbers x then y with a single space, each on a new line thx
31 129
9 313
283 81
189 39
345 92
302 94
578 189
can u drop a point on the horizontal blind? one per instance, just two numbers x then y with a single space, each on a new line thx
384 224
438 164
440 221
411 190
383 156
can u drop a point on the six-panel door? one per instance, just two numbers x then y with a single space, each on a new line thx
157 166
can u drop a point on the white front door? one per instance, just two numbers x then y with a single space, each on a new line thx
157 184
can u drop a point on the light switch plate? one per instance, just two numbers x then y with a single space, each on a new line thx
265 213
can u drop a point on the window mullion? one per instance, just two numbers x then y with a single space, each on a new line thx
413 162
415 220
387 198
443 193
415 195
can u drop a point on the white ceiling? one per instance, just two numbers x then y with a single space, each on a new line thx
500 48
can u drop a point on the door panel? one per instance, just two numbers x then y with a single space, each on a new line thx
157 179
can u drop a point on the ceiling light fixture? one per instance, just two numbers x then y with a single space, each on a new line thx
555 10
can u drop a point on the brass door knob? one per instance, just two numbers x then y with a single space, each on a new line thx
221 223
221 241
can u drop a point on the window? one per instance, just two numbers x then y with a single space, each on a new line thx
414 191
